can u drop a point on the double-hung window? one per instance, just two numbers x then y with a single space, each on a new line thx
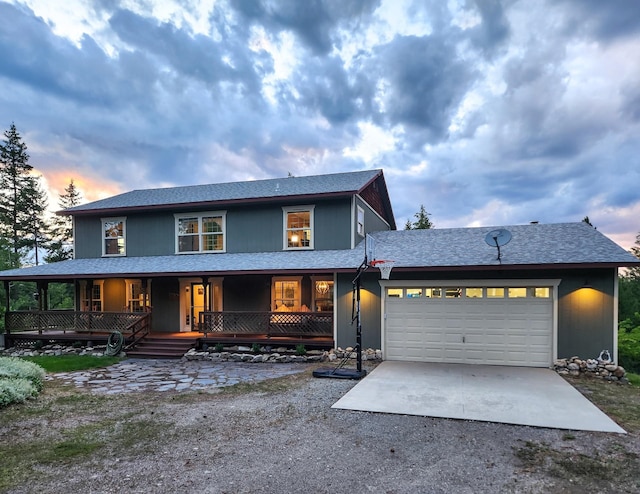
298 227
200 232
360 221
113 236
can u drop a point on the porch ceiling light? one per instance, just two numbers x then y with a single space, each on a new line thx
322 287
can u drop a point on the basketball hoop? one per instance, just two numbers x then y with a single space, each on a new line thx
384 266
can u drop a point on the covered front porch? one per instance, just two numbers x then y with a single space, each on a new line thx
170 307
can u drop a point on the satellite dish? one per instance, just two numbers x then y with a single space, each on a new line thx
498 238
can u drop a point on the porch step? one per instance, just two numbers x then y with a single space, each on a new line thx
155 347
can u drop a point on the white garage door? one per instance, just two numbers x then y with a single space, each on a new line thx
497 325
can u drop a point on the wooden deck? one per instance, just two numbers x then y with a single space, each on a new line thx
196 339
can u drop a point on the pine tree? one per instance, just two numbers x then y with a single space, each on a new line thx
61 246
15 185
422 221
36 228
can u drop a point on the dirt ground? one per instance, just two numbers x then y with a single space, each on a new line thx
283 436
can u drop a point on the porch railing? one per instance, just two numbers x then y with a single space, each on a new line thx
267 323
129 323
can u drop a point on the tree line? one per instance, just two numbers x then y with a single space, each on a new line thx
29 234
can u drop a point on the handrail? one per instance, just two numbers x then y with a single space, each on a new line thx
139 329
78 321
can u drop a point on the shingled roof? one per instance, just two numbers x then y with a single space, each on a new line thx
335 184
550 246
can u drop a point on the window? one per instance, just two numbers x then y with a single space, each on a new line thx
519 292
286 294
298 227
91 296
394 292
360 220
495 292
452 292
113 236
433 292
135 296
201 232
473 292
414 292
541 292
323 295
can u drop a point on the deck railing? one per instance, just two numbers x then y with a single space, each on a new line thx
129 323
267 323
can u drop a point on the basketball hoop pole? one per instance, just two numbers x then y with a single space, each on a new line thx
356 317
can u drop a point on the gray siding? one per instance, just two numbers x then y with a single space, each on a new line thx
249 229
585 315
369 310
372 222
87 241
165 300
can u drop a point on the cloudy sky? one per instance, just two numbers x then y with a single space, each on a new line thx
487 112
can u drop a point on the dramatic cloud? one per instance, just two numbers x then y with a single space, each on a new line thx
487 112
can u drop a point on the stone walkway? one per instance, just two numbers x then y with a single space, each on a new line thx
172 375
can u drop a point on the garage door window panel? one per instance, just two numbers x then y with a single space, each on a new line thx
473 292
395 292
433 292
414 292
495 292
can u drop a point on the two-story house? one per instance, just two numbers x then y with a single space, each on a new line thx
273 261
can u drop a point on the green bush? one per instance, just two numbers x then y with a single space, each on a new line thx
16 390
19 380
301 350
629 347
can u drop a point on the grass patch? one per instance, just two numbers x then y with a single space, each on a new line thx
69 426
633 378
610 471
620 402
70 363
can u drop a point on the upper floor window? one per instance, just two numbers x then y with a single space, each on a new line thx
201 232
113 236
360 219
298 227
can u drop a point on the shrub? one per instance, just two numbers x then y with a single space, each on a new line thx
629 349
15 368
301 350
19 380
256 348
219 348
16 390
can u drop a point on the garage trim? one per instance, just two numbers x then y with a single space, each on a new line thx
553 283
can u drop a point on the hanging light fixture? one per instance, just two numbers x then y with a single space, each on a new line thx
322 287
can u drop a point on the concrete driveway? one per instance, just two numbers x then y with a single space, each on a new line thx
510 395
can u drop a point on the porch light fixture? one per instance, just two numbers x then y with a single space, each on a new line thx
587 284
322 287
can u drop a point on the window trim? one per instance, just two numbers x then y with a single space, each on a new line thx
104 238
298 209
294 279
200 216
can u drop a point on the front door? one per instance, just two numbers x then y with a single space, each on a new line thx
194 295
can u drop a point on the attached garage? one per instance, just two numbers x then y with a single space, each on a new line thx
473 322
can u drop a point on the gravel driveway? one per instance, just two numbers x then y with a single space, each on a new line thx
288 439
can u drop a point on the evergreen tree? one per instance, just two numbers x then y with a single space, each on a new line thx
36 228
61 246
423 222
15 184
